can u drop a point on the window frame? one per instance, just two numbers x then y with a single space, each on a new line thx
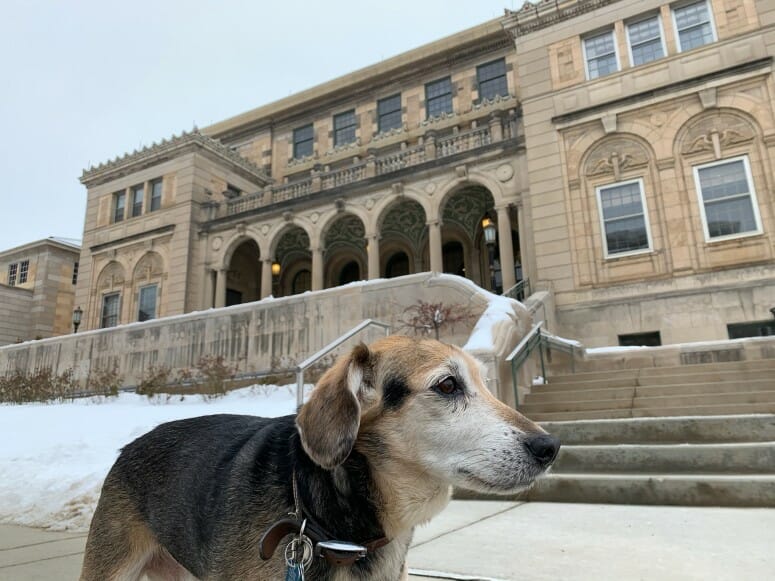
505 77
751 196
140 290
677 33
638 20
120 195
24 271
13 272
297 142
353 126
400 112
76 265
105 296
157 182
644 208
612 32
138 189
451 97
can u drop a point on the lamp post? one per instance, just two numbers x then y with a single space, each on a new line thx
275 277
489 237
77 314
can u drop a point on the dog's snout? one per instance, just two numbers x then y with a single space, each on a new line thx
543 447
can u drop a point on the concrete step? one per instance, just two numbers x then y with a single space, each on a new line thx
616 413
764 376
540 395
753 365
732 458
667 430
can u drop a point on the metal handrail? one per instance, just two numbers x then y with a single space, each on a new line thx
301 367
519 291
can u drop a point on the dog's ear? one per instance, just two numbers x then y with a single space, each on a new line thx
328 423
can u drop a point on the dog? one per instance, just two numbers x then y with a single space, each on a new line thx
374 452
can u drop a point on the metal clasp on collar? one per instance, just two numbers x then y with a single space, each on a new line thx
340 553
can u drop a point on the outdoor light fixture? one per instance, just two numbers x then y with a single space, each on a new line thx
275 269
489 230
772 310
77 314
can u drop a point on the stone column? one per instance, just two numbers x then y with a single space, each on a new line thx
506 248
317 269
266 277
526 250
208 304
434 240
373 251
220 289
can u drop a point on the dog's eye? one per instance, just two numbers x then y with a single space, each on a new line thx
447 386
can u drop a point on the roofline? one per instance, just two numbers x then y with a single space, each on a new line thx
43 242
344 84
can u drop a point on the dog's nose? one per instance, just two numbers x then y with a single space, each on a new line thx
543 447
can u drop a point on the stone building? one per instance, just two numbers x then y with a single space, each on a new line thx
622 149
37 289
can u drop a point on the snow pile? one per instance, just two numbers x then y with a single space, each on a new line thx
499 310
54 457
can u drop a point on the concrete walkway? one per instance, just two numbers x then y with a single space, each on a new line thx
479 540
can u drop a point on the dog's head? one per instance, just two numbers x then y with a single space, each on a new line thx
425 405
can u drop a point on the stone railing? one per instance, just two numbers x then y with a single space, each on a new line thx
500 127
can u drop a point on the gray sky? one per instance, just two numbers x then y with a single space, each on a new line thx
85 81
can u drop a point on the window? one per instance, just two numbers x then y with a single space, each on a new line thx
623 218
727 199
756 329
438 97
645 40
24 268
147 303
651 339
138 193
693 25
344 128
155 195
75 272
600 55
389 113
302 141
491 78
119 201
110 305
12 270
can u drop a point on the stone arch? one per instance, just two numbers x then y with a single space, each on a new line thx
711 132
331 217
112 279
237 240
383 206
344 241
147 278
615 154
405 220
293 253
279 230
472 179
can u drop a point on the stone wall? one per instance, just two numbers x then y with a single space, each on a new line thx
15 305
250 337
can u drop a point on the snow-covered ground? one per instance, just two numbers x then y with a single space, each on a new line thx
54 457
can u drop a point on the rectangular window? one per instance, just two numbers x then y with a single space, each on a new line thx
727 199
645 39
24 268
75 272
147 303
623 218
12 270
344 128
438 98
155 195
600 55
651 339
119 203
110 304
302 141
491 79
693 25
138 193
389 113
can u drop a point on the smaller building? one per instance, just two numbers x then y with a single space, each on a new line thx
37 289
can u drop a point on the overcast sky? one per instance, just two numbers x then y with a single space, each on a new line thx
85 81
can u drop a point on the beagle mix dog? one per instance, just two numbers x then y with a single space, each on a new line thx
386 433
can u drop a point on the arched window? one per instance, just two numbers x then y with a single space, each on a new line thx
350 273
397 265
453 258
302 282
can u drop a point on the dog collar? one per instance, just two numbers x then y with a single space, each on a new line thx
336 553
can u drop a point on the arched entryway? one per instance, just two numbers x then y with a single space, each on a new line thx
243 275
404 239
345 251
293 263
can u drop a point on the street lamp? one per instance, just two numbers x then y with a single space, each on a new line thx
489 237
275 269
77 314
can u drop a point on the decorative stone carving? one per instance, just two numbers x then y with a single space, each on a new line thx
504 172
339 203
265 229
287 216
347 230
430 187
314 217
217 243
715 133
616 156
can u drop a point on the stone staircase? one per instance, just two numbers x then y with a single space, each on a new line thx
691 461
736 387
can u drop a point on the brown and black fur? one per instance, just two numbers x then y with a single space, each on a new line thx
192 498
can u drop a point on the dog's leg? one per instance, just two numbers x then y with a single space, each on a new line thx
119 545
404 572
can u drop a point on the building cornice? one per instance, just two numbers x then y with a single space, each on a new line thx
536 16
24 248
168 149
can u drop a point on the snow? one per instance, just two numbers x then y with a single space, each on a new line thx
500 309
54 457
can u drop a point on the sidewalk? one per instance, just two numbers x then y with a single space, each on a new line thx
510 540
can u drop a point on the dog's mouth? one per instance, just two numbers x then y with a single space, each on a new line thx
505 484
